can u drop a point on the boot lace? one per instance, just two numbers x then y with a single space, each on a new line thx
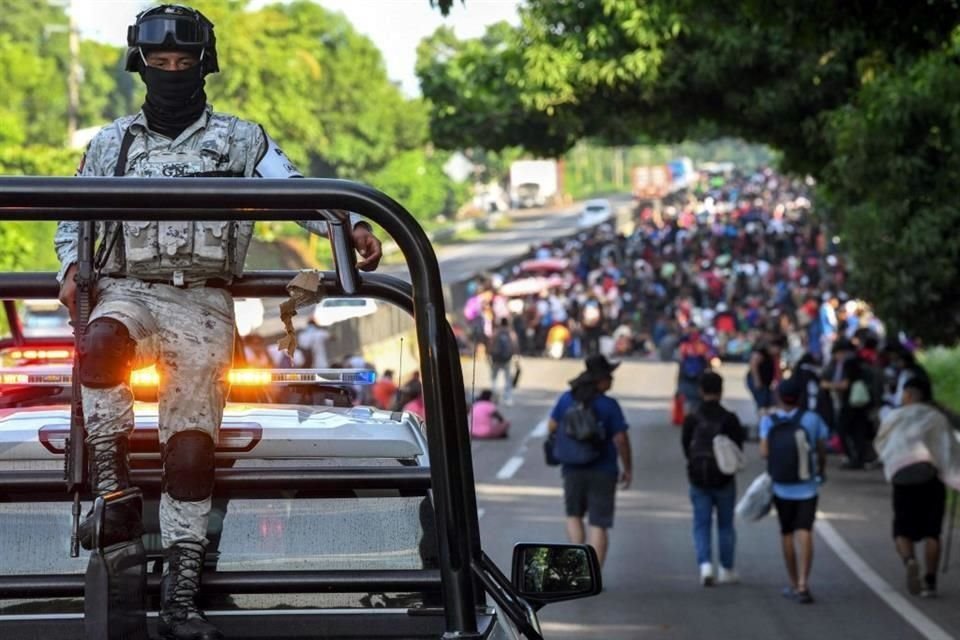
185 577
105 462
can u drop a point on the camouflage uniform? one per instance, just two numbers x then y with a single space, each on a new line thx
187 330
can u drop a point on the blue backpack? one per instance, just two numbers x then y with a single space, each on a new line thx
783 454
692 367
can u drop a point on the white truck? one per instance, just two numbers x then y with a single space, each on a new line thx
533 183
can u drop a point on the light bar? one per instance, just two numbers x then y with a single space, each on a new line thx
50 376
39 355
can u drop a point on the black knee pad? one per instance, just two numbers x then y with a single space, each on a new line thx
106 354
188 466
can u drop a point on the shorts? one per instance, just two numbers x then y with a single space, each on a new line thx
587 491
795 514
918 509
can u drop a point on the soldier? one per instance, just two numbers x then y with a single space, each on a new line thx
161 296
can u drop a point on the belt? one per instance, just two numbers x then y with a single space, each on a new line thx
212 283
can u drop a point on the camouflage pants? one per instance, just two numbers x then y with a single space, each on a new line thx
188 335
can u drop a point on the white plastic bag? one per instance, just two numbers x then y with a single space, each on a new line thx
756 502
729 456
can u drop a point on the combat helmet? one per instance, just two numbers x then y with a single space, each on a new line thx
172 26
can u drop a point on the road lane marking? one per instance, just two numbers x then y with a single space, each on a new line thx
512 465
916 618
540 431
506 471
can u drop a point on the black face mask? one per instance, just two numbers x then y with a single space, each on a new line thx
175 99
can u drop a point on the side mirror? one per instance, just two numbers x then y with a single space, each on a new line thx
545 573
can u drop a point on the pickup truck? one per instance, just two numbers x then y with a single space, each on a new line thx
331 520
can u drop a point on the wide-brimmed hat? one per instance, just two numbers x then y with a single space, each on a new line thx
599 366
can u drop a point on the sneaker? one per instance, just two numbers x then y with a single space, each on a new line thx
804 597
789 593
913 577
728 576
929 587
706 574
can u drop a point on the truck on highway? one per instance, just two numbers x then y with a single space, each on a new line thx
534 183
332 520
654 182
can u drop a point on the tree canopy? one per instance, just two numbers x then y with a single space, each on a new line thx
857 94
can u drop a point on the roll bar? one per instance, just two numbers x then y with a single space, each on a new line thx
311 199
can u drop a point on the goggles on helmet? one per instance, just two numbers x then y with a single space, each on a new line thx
170 31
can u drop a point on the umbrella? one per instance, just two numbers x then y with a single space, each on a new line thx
545 265
530 286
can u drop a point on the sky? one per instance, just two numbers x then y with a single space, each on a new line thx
395 26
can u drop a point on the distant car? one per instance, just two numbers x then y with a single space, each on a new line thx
595 212
45 319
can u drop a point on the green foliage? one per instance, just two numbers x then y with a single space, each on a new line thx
416 180
473 88
316 85
943 365
891 186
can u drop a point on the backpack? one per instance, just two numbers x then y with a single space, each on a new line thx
692 367
581 437
502 348
702 465
789 453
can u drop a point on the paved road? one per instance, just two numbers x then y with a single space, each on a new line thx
651 585
528 227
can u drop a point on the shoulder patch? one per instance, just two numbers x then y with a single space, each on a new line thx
274 163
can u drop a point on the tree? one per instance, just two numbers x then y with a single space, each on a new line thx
892 188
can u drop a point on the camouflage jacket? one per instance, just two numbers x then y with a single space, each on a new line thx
216 144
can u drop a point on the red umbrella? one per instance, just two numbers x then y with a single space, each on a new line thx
545 265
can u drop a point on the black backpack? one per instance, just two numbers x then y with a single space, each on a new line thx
581 424
701 462
582 438
502 349
783 455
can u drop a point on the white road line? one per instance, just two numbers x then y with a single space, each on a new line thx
916 618
540 431
506 471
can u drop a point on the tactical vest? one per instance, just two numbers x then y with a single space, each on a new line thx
182 252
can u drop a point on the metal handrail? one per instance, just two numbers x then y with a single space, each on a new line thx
47 485
57 199
233 582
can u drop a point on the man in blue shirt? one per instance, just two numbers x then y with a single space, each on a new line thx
590 488
796 502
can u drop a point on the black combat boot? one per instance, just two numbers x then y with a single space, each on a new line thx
180 618
110 471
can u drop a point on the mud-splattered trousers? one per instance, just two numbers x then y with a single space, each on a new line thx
188 334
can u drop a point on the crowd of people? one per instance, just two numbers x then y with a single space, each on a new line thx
740 269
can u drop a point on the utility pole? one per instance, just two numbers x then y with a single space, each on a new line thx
74 71
73 77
